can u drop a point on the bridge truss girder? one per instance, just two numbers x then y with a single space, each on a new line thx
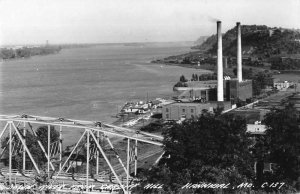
89 128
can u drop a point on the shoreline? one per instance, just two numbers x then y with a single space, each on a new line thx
26 58
210 70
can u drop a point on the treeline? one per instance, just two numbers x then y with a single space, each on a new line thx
182 82
253 63
204 77
257 40
195 77
27 52
285 64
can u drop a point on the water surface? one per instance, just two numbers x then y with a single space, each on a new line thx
88 83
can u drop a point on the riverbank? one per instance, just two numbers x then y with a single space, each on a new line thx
11 53
89 83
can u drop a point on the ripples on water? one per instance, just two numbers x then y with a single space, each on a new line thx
87 83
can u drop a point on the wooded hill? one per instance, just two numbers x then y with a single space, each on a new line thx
257 40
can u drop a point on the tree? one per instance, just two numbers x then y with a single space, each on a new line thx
181 84
283 133
209 148
152 127
247 73
183 79
186 60
193 77
33 146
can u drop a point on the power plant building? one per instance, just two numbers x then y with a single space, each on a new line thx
221 95
233 91
177 111
236 90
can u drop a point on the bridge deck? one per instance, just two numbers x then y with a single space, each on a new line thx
94 125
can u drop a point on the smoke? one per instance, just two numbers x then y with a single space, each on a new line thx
211 19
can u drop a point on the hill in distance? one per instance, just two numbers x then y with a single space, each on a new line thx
200 40
257 40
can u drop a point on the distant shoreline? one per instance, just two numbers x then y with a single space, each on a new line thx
203 67
23 52
25 58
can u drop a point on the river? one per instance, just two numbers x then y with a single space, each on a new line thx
88 83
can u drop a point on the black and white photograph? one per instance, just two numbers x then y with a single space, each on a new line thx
150 96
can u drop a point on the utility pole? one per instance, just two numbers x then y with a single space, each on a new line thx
49 155
24 152
147 97
117 110
87 159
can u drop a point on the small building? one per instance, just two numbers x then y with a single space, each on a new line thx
256 129
281 85
130 110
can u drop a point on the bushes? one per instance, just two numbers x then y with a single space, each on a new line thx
181 84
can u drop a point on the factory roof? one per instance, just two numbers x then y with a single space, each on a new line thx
198 103
189 103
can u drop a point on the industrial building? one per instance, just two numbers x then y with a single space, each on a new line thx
228 89
219 94
236 90
178 111
233 91
199 90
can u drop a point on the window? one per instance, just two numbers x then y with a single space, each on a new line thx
167 110
167 116
192 110
183 110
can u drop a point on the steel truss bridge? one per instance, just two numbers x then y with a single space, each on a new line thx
16 126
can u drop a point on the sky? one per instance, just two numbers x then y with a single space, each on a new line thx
114 21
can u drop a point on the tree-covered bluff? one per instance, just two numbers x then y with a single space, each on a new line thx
257 40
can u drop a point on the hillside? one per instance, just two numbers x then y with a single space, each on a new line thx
200 40
258 41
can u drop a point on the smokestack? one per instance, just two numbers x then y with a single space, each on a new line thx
239 52
225 64
220 88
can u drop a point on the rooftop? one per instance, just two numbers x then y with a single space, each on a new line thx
189 103
256 128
